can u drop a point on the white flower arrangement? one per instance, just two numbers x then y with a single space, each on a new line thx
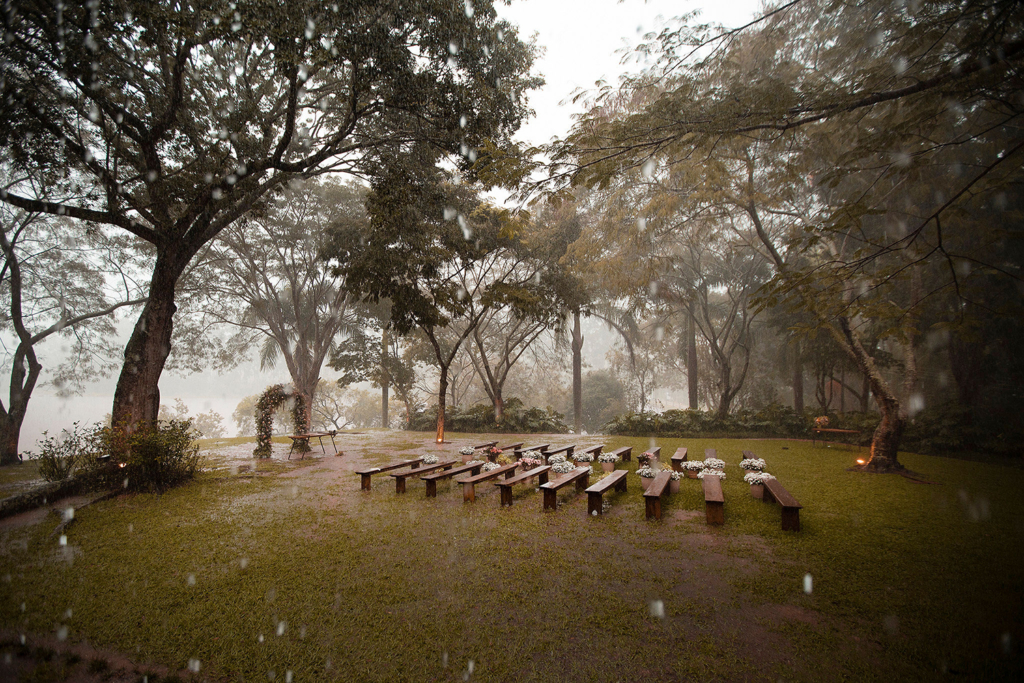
429 460
533 455
583 457
488 466
754 478
557 458
711 473
647 472
753 464
676 476
607 457
467 450
693 465
714 464
562 467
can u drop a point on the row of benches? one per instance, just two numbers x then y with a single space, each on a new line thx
714 499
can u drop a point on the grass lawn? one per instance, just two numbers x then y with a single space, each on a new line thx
287 572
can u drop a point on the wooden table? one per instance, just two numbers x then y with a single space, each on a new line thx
313 435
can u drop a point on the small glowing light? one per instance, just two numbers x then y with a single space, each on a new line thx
859 461
122 465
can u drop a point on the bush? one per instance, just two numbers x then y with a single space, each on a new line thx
480 419
59 457
154 457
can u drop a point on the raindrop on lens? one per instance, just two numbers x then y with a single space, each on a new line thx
648 168
657 608
808 584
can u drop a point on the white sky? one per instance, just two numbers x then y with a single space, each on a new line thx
581 39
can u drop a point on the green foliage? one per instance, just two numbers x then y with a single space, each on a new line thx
59 457
268 402
152 458
480 418
772 420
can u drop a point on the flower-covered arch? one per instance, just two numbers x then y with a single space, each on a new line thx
269 401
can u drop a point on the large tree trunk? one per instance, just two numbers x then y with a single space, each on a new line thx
384 420
691 359
798 379
10 434
442 393
577 374
22 384
499 407
137 396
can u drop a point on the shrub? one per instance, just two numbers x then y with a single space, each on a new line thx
59 457
480 419
153 457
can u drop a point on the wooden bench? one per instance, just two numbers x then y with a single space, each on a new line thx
581 477
623 453
653 494
400 477
469 485
595 494
364 475
296 438
714 501
568 450
493 457
655 453
485 445
776 492
432 479
541 448
678 458
710 453
593 450
506 486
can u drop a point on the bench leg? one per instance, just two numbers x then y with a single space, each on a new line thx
790 519
431 488
399 484
620 485
542 478
506 496
583 483
594 500
468 493
652 505
715 513
550 499
364 482
414 466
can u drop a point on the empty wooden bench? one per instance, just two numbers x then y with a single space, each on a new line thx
776 492
469 485
580 476
485 445
400 477
364 475
431 479
593 450
714 501
506 486
623 453
595 494
568 450
678 458
540 449
653 494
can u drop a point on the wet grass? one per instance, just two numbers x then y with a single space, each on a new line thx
261 573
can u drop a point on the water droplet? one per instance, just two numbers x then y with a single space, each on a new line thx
260 639
193 665
641 224
659 333
303 72
444 656
450 213
469 9
62 633
191 579
63 539
462 121
288 676
310 29
648 168
453 48
69 514
281 626
808 584
216 193
657 608
899 65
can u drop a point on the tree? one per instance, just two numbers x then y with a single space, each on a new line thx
57 281
210 424
179 118
890 139
440 258
603 399
265 278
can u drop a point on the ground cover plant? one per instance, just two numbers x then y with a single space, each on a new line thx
286 571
